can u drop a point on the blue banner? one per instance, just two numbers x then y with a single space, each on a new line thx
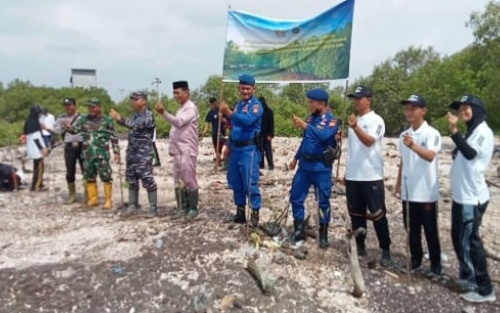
316 49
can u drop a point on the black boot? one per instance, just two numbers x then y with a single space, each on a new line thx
254 220
153 203
240 217
323 236
299 230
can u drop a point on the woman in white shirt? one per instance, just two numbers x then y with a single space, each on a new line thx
35 146
470 196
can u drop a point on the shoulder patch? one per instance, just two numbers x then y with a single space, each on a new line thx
333 122
255 109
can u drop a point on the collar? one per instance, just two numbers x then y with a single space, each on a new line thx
420 129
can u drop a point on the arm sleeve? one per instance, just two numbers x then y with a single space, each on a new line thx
207 118
185 118
113 137
250 117
329 131
58 128
376 129
140 124
38 140
468 152
434 142
271 123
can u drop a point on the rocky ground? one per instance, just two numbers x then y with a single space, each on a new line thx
57 258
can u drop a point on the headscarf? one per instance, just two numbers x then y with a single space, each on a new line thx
478 116
32 124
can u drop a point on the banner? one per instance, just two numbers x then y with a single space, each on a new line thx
316 49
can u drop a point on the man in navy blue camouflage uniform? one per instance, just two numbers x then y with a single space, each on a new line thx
313 155
139 156
243 173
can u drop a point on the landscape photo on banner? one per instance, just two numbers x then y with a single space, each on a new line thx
317 49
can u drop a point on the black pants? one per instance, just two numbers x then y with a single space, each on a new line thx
222 142
37 181
72 154
267 152
363 195
465 223
423 215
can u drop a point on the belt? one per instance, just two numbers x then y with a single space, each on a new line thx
73 144
313 158
241 144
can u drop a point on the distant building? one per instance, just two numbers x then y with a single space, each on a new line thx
85 78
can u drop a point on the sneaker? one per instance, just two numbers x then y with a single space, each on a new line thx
462 285
385 260
475 297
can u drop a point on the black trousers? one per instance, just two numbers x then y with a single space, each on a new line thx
465 223
37 180
72 155
267 152
363 195
423 215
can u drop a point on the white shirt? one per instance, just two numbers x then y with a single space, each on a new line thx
366 163
468 185
421 175
32 150
48 121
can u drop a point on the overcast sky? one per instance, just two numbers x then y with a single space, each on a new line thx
130 42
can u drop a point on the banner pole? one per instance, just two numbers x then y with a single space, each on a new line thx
221 96
344 118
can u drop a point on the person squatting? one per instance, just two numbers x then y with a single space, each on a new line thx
87 138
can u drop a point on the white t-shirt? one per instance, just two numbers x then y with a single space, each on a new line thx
32 150
48 121
468 185
421 175
366 163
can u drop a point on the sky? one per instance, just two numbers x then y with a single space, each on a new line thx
131 42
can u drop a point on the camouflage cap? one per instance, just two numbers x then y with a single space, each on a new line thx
93 102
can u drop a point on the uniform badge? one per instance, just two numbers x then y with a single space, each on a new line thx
332 123
255 109
308 120
245 109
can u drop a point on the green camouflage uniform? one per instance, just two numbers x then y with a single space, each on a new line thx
96 133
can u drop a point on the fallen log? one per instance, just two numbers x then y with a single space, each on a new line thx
357 276
264 280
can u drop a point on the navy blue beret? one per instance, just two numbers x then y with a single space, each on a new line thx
246 79
138 94
317 94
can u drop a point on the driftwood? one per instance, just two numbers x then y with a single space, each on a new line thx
357 276
264 280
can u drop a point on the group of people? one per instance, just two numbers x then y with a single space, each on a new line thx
88 137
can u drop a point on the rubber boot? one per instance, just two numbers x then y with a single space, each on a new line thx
133 202
240 217
299 230
72 193
192 198
108 194
92 195
153 203
254 219
323 236
85 193
180 197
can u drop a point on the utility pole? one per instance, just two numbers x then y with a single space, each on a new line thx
157 82
121 94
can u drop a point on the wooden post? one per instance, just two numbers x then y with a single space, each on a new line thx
344 117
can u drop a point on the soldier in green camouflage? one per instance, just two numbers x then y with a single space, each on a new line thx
97 131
